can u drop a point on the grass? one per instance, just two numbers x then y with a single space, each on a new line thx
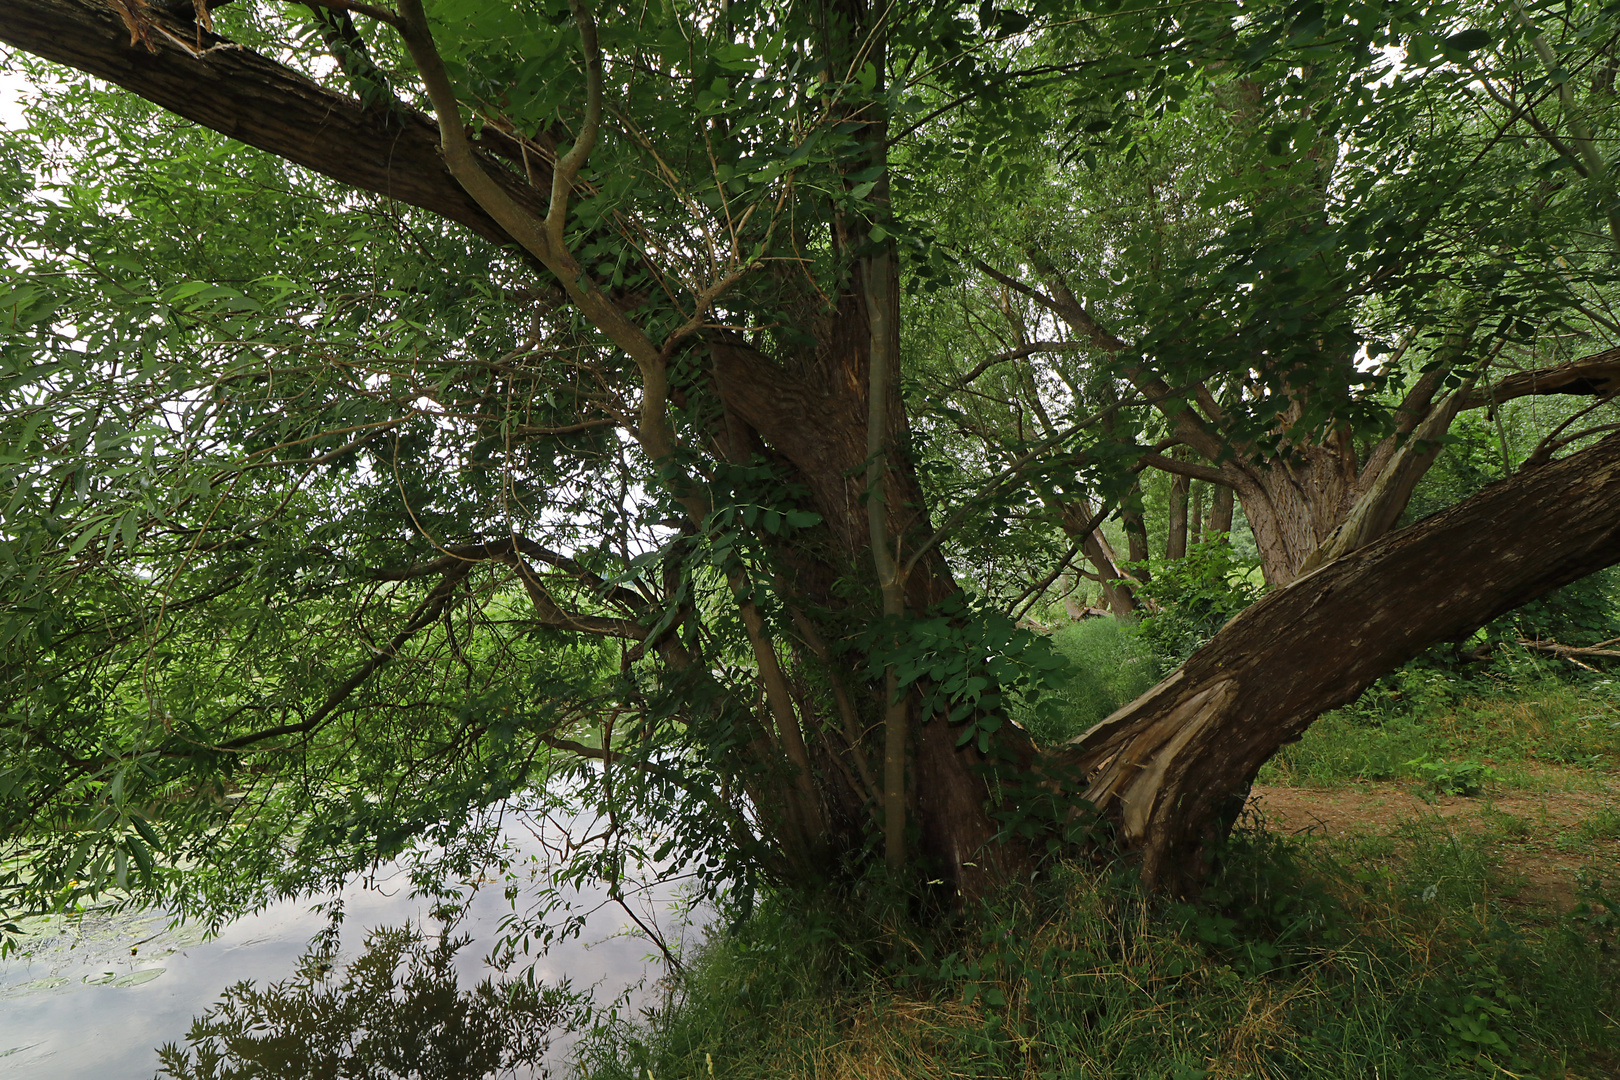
1424 948
1109 666
1305 959
1604 824
1532 732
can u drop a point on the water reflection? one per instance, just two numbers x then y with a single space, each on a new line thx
395 1011
97 993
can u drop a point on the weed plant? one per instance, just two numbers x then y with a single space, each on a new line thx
1301 960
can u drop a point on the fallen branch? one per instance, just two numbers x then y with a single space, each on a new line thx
1570 652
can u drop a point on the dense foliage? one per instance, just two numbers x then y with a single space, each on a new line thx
327 525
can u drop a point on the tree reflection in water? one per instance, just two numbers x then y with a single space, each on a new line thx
396 1011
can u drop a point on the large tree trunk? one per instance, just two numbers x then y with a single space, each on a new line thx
1169 768
1325 500
1165 768
810 409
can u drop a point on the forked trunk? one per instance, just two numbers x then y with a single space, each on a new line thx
810 410
1293 506
1170 769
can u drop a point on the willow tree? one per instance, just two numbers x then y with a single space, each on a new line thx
532 396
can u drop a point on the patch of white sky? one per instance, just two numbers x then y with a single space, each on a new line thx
12 88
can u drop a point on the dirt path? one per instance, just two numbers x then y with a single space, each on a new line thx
1541 844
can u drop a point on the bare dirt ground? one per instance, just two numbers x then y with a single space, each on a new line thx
1535 840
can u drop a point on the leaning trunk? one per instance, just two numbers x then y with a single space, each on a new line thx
1079 522
1169 769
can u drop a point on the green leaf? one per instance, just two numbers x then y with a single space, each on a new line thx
1471 40
146 831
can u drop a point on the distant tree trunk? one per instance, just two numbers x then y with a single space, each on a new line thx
1175 541
1115 583
1195 515
1071 606
1136 537
1220 510
1170 769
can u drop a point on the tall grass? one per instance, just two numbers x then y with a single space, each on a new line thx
1298 963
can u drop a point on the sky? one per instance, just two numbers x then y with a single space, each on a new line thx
12 86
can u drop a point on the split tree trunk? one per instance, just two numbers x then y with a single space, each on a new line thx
1166 768
1169 768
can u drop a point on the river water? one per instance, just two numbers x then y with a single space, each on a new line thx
96 995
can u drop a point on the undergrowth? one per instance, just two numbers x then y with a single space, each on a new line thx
1300 961
1109 665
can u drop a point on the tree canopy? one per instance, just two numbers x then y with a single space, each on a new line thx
411 407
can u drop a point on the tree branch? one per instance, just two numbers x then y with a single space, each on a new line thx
562 179
1597 375
1186 468
1014 354
246 96
430 609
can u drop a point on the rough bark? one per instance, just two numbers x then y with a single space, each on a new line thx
1597 375
249 97
1326 501
810 408
1175 540
1168 768
1220 510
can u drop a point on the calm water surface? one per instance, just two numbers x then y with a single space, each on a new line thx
97 996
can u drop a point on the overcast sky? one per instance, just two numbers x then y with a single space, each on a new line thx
11 84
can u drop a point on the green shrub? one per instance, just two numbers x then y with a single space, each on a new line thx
1196 596
1453 777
